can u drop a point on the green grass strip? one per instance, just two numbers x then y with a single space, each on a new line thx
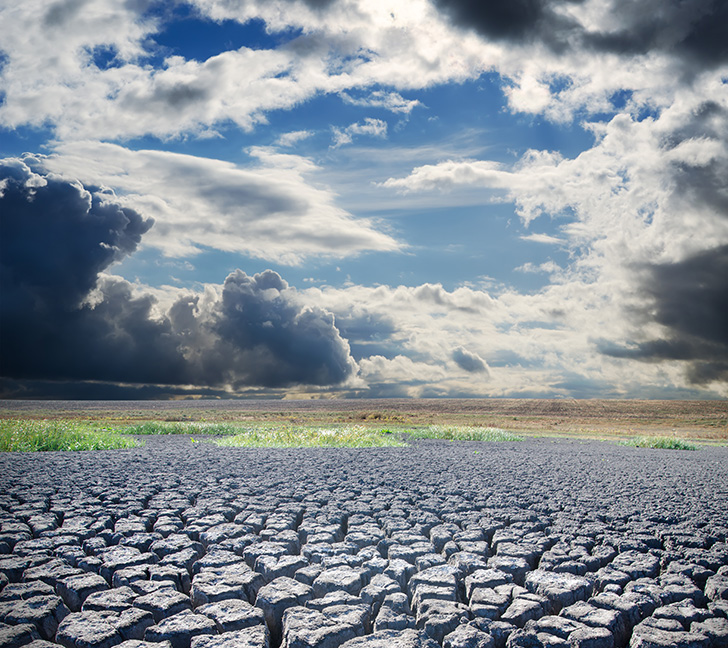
163 427
40 436
463 433
660 443
351 436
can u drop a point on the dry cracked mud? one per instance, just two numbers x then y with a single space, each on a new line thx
528 544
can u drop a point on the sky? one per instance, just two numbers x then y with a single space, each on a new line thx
363 198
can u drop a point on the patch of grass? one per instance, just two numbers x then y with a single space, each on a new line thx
291 436
463 433
660 442
42 435
164 427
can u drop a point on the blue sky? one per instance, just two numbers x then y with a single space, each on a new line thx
420 198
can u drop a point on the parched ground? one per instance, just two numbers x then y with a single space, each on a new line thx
698 420
544 542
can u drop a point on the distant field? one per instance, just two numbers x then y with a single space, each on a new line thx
705 421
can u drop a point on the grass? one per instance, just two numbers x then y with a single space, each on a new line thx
43 435
66 434
23 435
463 433
660 442
160 427
347 436
357 436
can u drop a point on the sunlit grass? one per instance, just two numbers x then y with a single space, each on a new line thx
37 436
163 427
661 443
463 433
41 435
291 436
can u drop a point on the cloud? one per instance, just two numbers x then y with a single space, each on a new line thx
57 236
293 138
392 101
369 127
254 334
51 75
556 57
543 238
690 29
689 299
267 210
512 20
62 318
470 362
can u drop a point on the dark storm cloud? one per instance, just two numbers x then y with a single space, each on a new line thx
57 237
690 29
514 20
468 361
61 319
56 319
703 183
693 29
256 335
690 299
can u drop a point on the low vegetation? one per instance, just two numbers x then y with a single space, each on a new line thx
660 442
42 435
349 436
463 433
161 427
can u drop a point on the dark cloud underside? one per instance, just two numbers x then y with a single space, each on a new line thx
61 319
468 361
690 299
693 30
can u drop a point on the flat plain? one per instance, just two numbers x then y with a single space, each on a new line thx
705 421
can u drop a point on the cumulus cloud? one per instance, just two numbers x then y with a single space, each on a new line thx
689 29
369 127
468 361
254 334
649 194
556 57
62 318
512 20
689 299
268 210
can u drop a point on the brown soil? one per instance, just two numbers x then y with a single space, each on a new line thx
697 420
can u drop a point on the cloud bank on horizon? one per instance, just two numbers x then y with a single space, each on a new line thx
420 198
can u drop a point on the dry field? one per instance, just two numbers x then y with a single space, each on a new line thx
705 421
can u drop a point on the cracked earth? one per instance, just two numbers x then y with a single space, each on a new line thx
537 543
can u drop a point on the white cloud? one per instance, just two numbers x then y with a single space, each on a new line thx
543 238
544 344
392 101
369 127
367 52
294 137
50 77
268 210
